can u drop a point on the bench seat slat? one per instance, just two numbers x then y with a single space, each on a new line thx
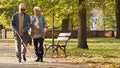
63 38
64 34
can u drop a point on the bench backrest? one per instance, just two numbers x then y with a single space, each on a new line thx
63 37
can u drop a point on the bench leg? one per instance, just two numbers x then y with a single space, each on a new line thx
46 49
57 51
64 51
54 48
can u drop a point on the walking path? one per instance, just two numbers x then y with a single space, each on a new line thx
9 60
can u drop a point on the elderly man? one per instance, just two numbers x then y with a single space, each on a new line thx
20 26
38 30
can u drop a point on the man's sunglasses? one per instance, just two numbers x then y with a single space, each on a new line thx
22 9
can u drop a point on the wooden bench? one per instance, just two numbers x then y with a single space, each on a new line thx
62 40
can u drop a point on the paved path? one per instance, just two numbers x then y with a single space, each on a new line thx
8 60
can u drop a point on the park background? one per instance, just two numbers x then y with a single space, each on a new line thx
103 45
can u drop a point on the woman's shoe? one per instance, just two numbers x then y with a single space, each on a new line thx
37 60
41 60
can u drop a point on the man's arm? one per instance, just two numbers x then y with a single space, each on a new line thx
13 23
27 25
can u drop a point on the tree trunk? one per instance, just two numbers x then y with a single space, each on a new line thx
82 39
65 23
118 18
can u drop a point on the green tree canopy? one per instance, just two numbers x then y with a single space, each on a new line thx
61 9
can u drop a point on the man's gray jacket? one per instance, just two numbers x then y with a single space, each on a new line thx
15 23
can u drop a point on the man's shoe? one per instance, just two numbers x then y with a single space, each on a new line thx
24 58
19 60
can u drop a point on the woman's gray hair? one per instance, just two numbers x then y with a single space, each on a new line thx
37 8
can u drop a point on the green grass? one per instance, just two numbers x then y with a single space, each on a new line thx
97 47
103 48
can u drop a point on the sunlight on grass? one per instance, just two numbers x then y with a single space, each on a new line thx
101 50
97 47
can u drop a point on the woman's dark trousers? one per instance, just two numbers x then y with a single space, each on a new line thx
38 46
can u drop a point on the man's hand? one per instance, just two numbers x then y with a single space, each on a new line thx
16 31
21 31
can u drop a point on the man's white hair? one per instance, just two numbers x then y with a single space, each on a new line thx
37 8
21 6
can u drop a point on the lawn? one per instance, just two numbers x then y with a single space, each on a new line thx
97 46
104 51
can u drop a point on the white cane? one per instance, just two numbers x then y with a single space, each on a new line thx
24 45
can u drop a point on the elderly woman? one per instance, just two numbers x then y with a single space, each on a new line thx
38 30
